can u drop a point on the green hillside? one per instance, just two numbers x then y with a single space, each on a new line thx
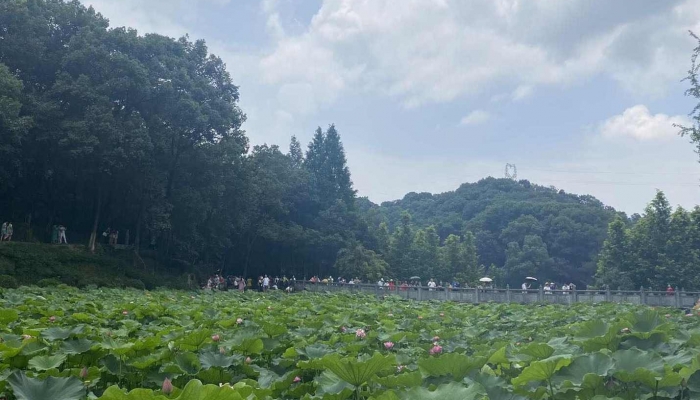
519 227
49 265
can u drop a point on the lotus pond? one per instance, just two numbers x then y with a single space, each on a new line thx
68 344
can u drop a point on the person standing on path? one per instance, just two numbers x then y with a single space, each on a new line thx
3 232
10 231
62 235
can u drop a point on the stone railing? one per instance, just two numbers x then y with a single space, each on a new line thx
679 299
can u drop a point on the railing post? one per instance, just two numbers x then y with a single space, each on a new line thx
508 293
677 300
608 297
540 294
642 296
574 295
420 292
476 297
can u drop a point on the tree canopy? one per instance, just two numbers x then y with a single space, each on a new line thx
104 128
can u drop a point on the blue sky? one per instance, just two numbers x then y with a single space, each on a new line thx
428 94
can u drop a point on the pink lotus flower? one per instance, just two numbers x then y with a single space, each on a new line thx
388 345
360 333
167 386
297 379
215 338
248 360
52 319
83 373
125 312
436 338
437 349
399 368
239 321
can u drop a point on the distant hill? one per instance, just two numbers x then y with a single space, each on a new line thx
521 228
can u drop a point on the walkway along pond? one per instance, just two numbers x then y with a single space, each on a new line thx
679 299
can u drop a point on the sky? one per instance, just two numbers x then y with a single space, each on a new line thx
582 95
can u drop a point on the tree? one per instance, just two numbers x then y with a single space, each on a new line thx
383 238
693 131
356 261
400 254
295 153
614 261
471 271
424 257
532 259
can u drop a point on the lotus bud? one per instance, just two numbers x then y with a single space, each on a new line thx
399 368
442 314
167 386
239 321
215 338
420 317
668 315
248 360
83 373
360 333
27 337
125 312
297 379
52 319
436 338
343 329
436 350
388 345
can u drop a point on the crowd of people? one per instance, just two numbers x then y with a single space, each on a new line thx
263 284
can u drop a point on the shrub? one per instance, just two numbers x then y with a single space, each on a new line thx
8 282
49 282
134 283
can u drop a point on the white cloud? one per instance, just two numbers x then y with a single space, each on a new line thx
522 92
475 117
440 50
638 123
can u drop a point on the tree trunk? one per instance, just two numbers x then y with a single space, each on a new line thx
96 221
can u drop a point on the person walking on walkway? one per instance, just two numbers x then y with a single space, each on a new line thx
3 232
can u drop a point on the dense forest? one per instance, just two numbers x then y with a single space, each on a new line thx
104 128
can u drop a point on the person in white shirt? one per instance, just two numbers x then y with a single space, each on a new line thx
432 285
525 287
266 283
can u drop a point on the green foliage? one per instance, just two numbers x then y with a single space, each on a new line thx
294 347
8 282
659 249
358 262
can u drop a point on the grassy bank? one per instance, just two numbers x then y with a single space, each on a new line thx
49 265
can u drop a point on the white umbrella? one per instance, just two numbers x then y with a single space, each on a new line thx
529 278
486 280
